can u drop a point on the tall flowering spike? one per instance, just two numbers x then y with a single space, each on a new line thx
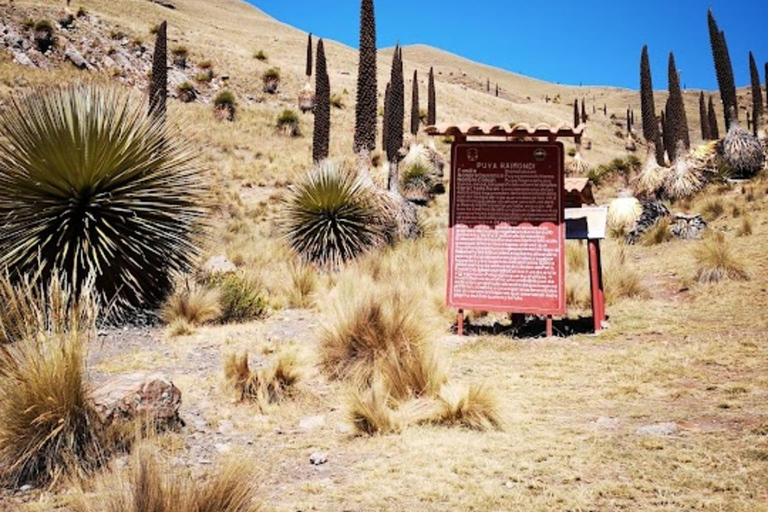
629 121
706 133
730 82
766 83
415 119
647 103
367 94
757 95
584 117
576 121
664 135
384 121
309 56
395 109
158 86
677 119
322 135
723 68
432 99
714 131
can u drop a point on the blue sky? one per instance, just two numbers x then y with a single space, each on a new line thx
596 43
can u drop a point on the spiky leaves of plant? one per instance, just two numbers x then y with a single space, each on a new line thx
432 99
757 95
322 133
92 184
332 217
365 112
158 86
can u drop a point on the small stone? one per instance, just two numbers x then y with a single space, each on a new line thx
22 59
659 429
226 427
607 423
223 448
318 458
219 265
312 422
25 488
76 58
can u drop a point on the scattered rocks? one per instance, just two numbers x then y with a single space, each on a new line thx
126 397
318 458
688 227
658 429
312 422
22 59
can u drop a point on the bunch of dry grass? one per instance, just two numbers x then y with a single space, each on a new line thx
745 229
302 285
475 406
29 310
712 209
48 427
151 486
269 385
381 335
716 261
659 233
621 279
192 303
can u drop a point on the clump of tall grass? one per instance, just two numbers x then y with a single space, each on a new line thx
659 233
192 303
31 310
712 209
332 217
621 280
149 485
92 185
270 384
48 427
717 261
381 336
302 285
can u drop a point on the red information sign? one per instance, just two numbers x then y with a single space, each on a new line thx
507 231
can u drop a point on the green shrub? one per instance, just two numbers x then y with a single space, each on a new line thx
44 26
337 101
206 64
224 99
180 51
332 216
91 185
204 77
82 12
288 123
260 55
154 29
186 87
240 299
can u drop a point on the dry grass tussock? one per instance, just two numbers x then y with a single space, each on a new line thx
30 310
658 234
475 406
717 261
149 485
192 303
48 428
271 384
381 333
621 279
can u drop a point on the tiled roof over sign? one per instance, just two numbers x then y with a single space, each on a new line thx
506 130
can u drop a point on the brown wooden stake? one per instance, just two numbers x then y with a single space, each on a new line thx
549 327
460 324
596 285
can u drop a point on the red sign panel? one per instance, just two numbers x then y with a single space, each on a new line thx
507 232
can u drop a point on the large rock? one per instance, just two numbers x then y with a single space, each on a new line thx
23 59
688 227
218 265
137 395
76 58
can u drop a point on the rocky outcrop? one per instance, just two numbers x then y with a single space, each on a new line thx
137 396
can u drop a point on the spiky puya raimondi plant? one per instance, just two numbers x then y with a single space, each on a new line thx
333 216
365 111
90 183
742 151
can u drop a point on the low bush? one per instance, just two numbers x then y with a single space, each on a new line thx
659 233
476 407
260 55
241 299
288 123
712 209
269 385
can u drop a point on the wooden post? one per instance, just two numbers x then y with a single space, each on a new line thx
596 285
460 323
549 327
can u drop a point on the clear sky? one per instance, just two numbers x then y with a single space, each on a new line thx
589 42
